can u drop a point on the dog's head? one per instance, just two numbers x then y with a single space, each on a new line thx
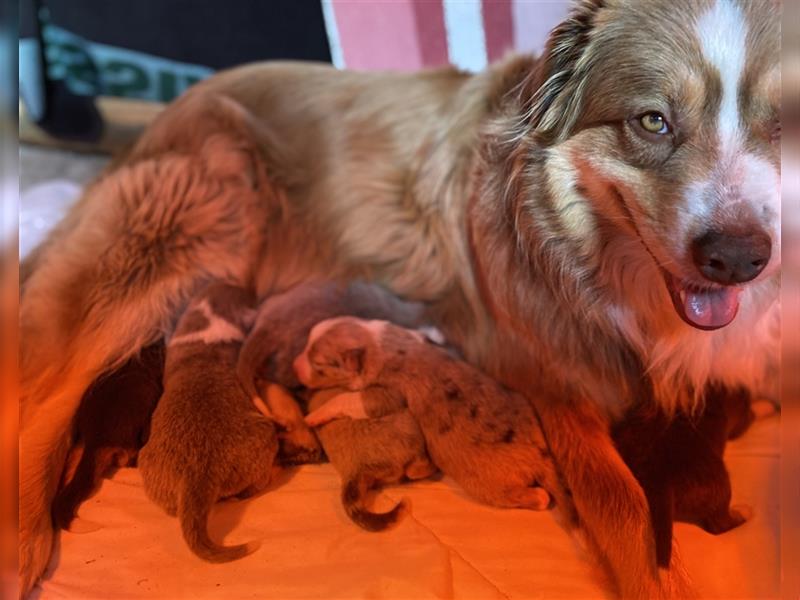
668 113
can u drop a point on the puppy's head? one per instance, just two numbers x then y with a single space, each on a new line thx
341 352
662 118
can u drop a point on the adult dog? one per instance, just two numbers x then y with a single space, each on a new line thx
575 223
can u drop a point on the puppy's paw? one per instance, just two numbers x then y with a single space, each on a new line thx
81 526
531 498
723 521
433 335
271 416
763 408
420 468
346 404
742 512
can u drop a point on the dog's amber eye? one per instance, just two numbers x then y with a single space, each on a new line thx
654 123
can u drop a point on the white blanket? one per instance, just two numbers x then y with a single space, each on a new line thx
448 547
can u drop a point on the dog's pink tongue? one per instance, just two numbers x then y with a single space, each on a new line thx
710 309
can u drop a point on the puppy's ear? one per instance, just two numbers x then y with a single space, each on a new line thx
353 360
556 103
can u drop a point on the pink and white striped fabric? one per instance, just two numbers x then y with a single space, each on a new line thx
406 35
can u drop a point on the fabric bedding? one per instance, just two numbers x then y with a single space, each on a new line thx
449 546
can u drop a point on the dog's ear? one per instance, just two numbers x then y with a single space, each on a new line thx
555 105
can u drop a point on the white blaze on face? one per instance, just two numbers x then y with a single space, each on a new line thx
318 330
722 32
740 176
375 328
301 365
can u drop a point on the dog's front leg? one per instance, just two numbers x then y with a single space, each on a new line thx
610 503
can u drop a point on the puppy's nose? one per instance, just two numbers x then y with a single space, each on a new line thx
727 259
301 368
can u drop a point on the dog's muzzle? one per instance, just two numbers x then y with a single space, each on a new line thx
723 260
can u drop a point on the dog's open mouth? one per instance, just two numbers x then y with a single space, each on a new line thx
704 308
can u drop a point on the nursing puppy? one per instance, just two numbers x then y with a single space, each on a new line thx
486 437
284 321
207 440
571 223
679 462
112 424
372 451
280 333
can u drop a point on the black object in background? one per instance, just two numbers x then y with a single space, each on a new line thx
212 33
150 49
55 108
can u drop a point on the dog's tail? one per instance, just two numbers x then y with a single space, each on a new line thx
194 505
354 497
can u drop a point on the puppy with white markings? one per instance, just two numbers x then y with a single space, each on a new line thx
280 333
113 423
207 441
370 452
486 437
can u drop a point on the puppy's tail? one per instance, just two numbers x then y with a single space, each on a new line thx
93 466
194 506
354 496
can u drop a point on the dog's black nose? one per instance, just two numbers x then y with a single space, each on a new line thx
727 259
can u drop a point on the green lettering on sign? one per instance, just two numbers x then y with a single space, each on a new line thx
124 79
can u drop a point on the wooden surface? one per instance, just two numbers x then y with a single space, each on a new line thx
124 120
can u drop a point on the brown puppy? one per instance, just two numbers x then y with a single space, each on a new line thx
570 221
112 424
483 435
207 441
374 451
679 463
280 333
